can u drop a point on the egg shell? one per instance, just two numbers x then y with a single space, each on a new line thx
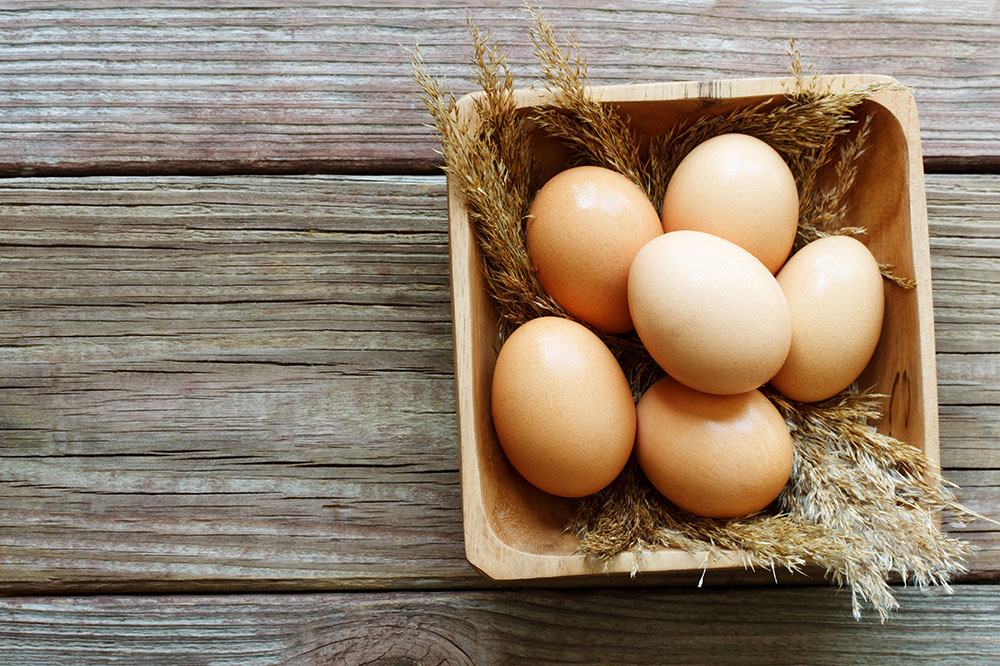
739 188
709 313
562 408
835 294
585 226
719 456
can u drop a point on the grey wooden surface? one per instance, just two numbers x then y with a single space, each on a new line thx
240 386
245 381
186 86
683 626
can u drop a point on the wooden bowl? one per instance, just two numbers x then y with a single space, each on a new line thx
515 531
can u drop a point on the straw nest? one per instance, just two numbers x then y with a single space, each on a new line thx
863 506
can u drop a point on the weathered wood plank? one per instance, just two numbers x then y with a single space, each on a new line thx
251 381
245 382
719 626
180 86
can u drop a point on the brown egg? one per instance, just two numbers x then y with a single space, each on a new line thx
708 312
719 456
562 408
584 228
835 294
737 187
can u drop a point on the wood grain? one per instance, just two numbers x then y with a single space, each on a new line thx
182 86
721 626
245 383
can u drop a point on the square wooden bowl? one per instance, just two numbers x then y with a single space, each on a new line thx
514 531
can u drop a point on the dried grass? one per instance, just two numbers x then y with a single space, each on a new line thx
492 165
596 131
860 504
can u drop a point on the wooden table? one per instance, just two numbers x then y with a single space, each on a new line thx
226 396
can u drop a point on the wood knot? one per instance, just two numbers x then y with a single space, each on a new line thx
382 640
